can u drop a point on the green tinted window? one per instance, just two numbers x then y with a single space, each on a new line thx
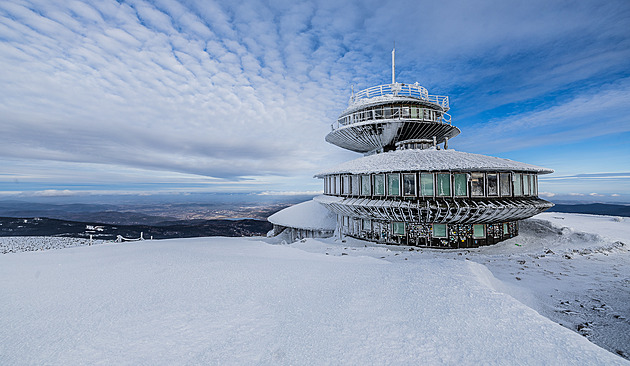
439 230
444 184
526 184
479 231
393 184
460 182
345 184
398 228
379 185
518 186
426 181
365 185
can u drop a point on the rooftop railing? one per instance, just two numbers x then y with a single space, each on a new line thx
399 89
392 113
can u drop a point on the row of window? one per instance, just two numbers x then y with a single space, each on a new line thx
391 112
437 230
476 184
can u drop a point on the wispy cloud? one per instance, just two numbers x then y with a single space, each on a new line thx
594 113
245 91
588 176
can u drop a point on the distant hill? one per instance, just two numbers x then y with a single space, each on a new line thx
593 208
10 226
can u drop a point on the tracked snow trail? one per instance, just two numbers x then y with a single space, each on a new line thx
240 301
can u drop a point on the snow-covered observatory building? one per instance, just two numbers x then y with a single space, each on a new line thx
409 188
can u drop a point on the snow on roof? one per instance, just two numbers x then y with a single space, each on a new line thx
309 215
429 160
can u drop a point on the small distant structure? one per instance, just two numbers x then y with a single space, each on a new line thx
94 228
120 238
308 219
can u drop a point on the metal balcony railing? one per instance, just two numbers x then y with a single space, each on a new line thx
393 113
400 89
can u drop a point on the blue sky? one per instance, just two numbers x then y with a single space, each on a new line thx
135 97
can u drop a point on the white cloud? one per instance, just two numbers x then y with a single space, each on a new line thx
546 194
289 193
595 113
231 90
53 193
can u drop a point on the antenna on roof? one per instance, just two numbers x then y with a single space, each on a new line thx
394 64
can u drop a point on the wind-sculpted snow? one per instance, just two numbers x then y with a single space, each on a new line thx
310 215
242 301
573 269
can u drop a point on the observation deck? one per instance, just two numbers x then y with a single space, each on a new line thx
379 117
389 91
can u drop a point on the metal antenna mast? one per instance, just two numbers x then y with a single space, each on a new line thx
394 64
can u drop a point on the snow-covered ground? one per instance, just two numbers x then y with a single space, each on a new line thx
15 244
245 301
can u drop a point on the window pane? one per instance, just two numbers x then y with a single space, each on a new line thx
365 185
393 184
505 229
367 224
426 180
379 185
444 184
518 187
414 112
337 185
493 189
479 231
526 185
439 230
460 182
345 185
505 183
398 228
356 183
387 112
477 185
534 182
409 184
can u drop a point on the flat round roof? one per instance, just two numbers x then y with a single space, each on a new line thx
429 160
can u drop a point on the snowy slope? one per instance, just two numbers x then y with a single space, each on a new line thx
242 301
